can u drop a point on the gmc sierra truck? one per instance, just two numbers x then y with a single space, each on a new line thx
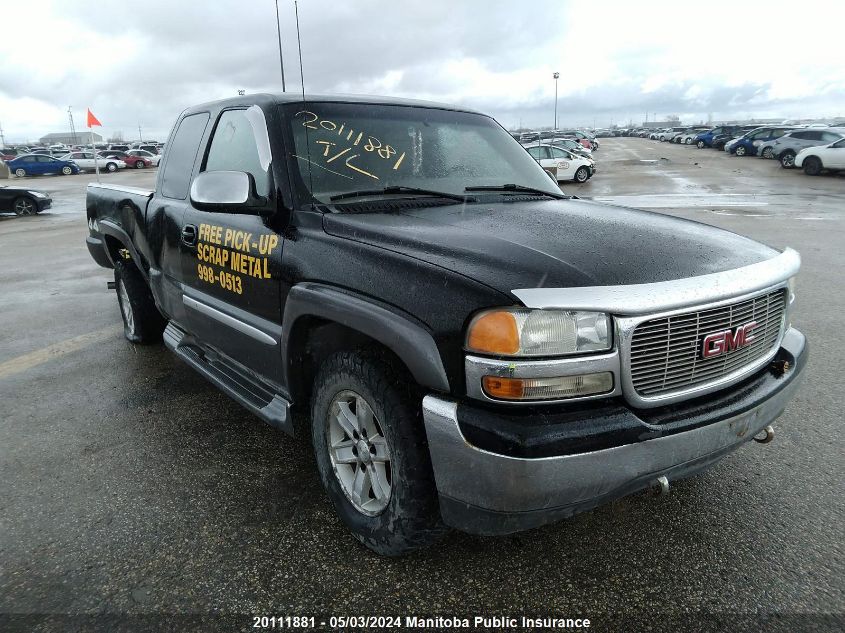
467 346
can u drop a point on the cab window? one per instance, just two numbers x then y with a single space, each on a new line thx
233 148
538 153
181 155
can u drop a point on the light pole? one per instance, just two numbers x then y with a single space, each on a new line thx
556 76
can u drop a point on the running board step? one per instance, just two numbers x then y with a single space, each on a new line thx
253 395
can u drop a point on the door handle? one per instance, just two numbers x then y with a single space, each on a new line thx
189 234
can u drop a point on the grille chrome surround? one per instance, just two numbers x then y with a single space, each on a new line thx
661 353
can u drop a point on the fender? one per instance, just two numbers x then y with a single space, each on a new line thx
107 227
402 334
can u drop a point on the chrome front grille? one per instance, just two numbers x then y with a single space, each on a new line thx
665 353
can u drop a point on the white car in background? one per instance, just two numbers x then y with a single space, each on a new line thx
814 159
155 159
85 160
561 163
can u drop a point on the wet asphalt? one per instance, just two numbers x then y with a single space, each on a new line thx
132 486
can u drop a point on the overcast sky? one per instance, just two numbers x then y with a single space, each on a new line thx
142 63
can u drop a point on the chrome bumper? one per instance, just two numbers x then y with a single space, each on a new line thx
489 493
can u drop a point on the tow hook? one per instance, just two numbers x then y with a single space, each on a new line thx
660 486
780 367
768 434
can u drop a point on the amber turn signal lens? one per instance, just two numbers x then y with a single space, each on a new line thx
504 388
557 388
493 333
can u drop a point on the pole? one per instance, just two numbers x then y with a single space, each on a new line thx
140 138
2 138
279 33
556 76
94 149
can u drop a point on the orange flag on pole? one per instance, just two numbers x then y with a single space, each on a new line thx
92 120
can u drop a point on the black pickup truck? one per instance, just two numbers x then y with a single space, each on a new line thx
466 345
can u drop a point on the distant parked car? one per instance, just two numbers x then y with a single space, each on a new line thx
142 153
571 145
668 133
39 164
752 142
582 137
689 136
814 160
119 147
138 162
565 164
86 161
705 138
9 153
149 147
23 200
787 146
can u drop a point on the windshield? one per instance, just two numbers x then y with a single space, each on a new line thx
341 148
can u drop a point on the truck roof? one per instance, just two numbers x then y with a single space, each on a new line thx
296 97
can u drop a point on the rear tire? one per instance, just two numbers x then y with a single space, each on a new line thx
812 166
582 174
371 452
142 322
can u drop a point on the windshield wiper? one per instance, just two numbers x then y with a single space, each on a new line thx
518 189
399 189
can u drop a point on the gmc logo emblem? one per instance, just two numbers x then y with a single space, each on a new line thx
719 343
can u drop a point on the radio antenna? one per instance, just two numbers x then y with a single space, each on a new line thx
302 81
299 44
279 32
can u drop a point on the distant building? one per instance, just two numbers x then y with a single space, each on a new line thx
660 124
67 138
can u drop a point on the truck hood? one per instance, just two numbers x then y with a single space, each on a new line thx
552 243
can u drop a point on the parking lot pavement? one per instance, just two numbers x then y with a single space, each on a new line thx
131 485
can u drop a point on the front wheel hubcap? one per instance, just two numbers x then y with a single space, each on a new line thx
359 453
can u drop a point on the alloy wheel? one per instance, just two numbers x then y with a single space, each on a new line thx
24 206
359 453
126 307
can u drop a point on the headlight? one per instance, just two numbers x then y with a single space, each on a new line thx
523 332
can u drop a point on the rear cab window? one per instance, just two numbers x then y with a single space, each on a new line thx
181 155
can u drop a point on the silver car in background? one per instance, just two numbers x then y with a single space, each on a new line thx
787 146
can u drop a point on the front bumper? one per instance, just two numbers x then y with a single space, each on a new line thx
486 492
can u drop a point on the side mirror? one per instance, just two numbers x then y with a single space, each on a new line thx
228 191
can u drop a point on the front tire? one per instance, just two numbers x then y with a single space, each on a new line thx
139 164
740 151
787 160
582 174
700 145
812 166
66 170
20 172
24 206
142 322
768 152
371 452
111 167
